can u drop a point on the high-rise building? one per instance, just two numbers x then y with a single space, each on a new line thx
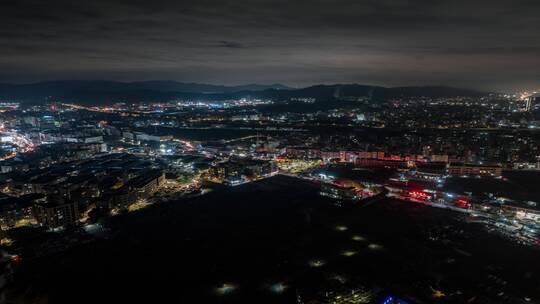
57 213
531 102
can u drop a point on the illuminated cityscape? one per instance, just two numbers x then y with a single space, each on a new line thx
215 188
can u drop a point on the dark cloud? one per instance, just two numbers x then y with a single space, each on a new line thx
485 44
230 44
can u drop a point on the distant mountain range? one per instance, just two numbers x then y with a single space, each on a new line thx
100 92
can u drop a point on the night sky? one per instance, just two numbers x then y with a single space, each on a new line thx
476 44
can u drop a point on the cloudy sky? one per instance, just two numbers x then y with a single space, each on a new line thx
477 44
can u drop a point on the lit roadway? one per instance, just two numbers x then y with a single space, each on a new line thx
104 109
243 138
91 109
24 144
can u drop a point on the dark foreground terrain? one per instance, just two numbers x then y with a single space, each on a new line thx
275 240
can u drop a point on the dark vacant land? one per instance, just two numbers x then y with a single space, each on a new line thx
257 235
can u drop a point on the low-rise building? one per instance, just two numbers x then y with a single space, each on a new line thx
147 183
339 192
383 163
237 171
474 169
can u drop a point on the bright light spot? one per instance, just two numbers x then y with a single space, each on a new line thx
358 238
438 293
6 242
341 228
278 287
317 263
375 247
349 253
91 228
225 289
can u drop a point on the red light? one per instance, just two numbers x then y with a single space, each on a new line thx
462 203
16 260
418 194
339 183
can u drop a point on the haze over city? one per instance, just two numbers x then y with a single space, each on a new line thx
485 45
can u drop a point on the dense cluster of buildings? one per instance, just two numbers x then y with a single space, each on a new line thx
238 171
518 219
379 159
62 194
60 162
